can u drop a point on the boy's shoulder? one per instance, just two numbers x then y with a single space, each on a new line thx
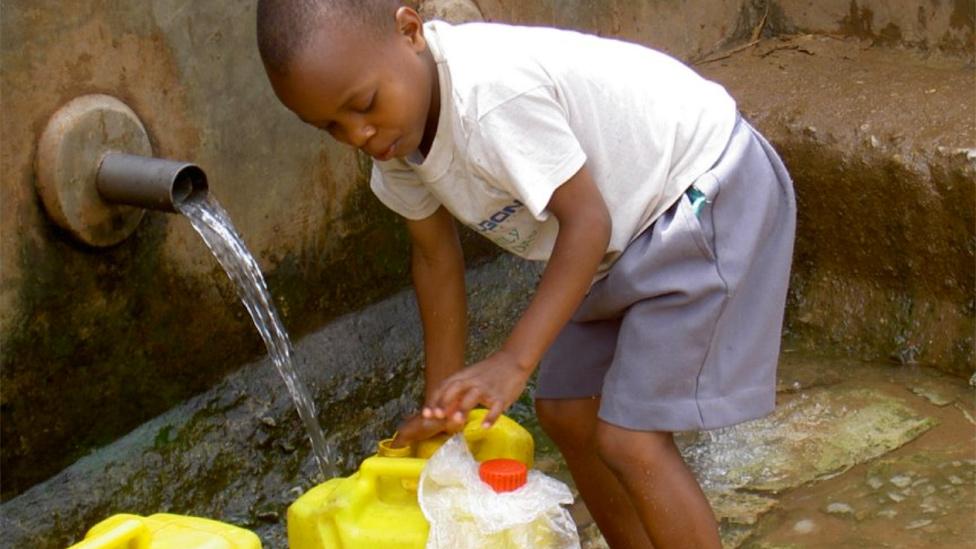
497 46
489 64
501 61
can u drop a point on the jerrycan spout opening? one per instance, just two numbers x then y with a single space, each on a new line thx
385 448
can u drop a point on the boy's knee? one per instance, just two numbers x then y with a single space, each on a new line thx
622 449
566 421
552 416
611 447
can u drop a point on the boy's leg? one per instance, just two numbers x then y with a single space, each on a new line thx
669 502
571 423
682 334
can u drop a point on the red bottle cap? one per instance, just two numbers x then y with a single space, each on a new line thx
503 475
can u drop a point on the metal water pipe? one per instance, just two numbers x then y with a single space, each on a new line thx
96 173
152 183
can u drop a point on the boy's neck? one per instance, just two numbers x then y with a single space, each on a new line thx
433 112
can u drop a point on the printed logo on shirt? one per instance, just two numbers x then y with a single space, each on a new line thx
500 216
510 238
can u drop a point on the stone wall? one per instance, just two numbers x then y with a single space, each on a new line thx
881 144
937 25
95 341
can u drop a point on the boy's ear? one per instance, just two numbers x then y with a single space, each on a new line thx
410 25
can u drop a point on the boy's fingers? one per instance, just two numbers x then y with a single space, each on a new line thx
456 405
457 413
406 432
447 403
470 400
455 422
417 428
435 403
437 406
433 406
496 410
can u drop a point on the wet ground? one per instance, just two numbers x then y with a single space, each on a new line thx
867 455
856 455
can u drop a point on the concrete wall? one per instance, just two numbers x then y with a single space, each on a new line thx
942 25
687 30
693 30
96 341
881 144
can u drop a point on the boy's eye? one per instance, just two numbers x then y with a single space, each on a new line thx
367 105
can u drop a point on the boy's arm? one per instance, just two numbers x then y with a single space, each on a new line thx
437 266
584 233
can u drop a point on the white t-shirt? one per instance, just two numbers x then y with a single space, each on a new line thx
523 109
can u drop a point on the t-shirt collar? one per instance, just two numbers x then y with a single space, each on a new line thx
438 159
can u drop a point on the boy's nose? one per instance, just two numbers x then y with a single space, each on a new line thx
362 135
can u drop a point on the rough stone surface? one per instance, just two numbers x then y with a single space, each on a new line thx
685 30
452 11
930 512
881 144
945 26
147 323
820 434
94 342
859 458
238 453
116 336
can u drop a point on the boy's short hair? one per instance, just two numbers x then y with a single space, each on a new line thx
284 27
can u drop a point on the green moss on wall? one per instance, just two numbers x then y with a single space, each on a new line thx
106 339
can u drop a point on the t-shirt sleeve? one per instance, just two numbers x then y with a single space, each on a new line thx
527 148
400 190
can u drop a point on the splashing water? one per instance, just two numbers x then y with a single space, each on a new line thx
213 225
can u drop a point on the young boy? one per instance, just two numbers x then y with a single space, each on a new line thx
666 222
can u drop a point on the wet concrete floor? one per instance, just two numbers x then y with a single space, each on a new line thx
856 455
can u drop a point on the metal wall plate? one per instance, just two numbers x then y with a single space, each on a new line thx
69 152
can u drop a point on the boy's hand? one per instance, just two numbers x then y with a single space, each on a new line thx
494 383
417 428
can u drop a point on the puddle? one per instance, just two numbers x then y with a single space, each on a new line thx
855 455
923 498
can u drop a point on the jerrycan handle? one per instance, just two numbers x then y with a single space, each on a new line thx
473 430
403 468
128 534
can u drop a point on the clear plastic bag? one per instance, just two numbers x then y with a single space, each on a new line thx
466 513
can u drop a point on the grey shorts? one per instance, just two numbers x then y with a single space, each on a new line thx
684 331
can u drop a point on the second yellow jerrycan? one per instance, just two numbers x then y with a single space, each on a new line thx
166 531
377 506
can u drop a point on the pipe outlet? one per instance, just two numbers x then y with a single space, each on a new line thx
153 183
95 174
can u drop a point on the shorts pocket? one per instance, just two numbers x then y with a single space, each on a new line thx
699 225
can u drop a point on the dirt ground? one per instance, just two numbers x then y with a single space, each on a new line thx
921 493
881 144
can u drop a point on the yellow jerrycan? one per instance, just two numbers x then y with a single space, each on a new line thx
165 531
377 506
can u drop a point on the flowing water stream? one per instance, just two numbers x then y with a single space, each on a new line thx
213 224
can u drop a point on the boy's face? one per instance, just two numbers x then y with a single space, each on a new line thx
372 93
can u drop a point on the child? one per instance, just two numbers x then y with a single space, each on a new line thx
666 222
